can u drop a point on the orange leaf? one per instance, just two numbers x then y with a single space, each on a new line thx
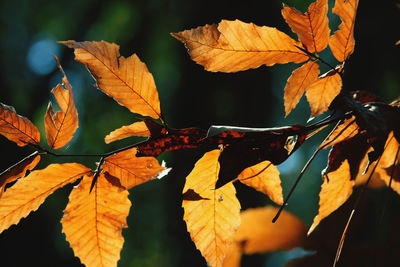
335 190
131 170
297 83
235 46
312 27
342 41
343 132
93 222
18 170
127 80
321 92
17 128
264 177
61 126
135 129
213 218
29 193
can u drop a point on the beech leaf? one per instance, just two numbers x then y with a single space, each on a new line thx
134 129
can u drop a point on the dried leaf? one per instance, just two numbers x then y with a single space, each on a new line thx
321 92
264 177
17 128
213 220
298 83
16 171
61 126
127 80
93 222
131 170
135 129
342 41
233 46
29 193
345 131
335 190
311 27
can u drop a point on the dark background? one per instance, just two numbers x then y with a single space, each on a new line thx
189 96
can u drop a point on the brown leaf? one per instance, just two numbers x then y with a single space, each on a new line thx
93 222
321 92
311 27
342 41
18 170
233 46
212 220
298 83
61 126
29 193
335 190
132 170
17 128
134 129
264 177
127 80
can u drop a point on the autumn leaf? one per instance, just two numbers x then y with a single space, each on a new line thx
335 190
312 27
127 80
342 41
61 126
17 128
298 83
345 131
257 233
28 194
135 129
321 92
212 220
131 170
93 222
233 46
18 170
264 177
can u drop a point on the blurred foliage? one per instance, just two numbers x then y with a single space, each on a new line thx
189 96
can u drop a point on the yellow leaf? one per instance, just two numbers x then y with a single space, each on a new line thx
298 83
127 80
312 27
17 128
29 193
61 126
135 129
342 41
335 190
131 170
18 170
213 219
321 92
233 46
264 177
93 222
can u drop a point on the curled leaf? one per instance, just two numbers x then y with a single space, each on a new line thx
135 129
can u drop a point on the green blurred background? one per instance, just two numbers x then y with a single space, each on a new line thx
189 96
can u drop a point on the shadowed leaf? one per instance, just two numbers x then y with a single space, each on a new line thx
233 46
213 220
17 128
93 222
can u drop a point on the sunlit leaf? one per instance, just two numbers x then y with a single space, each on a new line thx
93 222
335 190
127 80
342 41
17 128
29 193
234 46
298 83
212 220
135 129
312 27
264 177
61 126
345 131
